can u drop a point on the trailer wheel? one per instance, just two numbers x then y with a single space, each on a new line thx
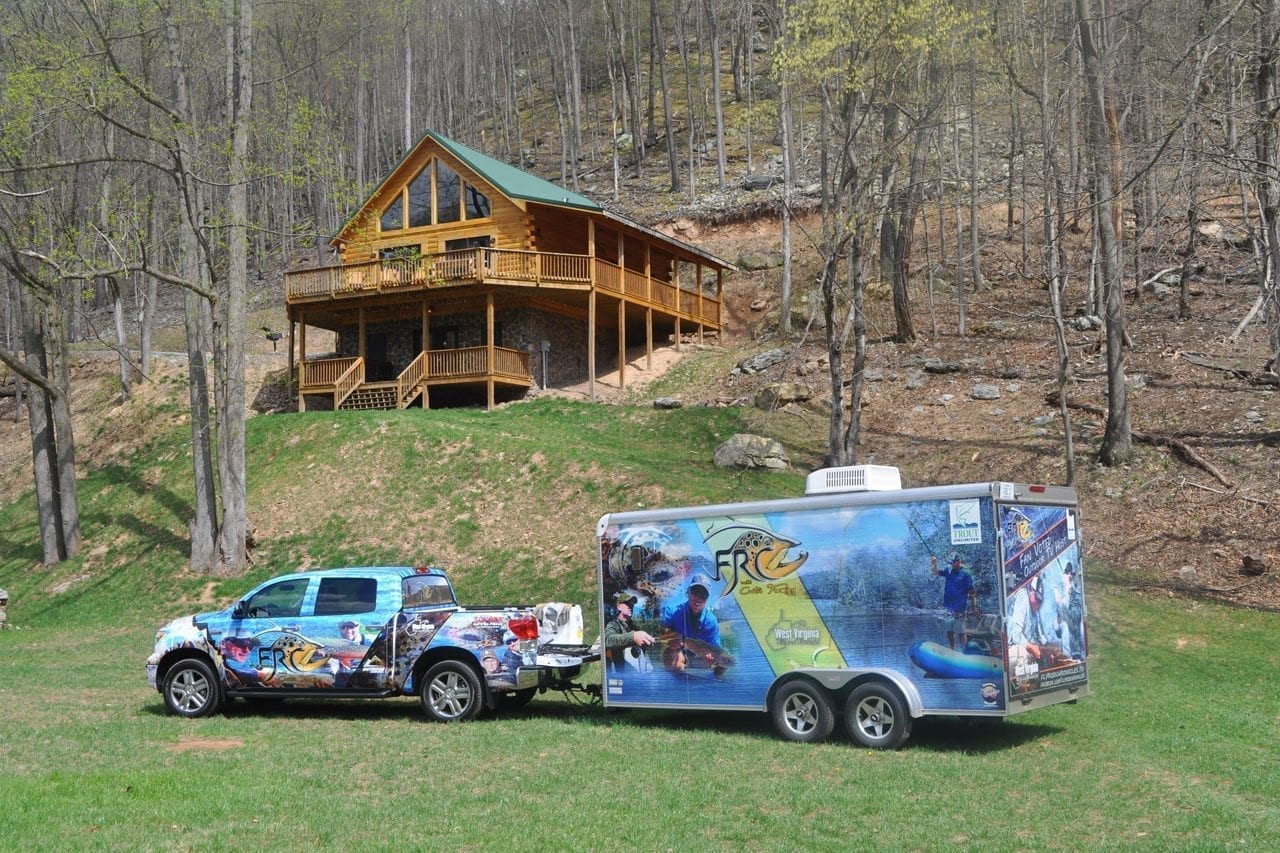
802 712
876 716
451 692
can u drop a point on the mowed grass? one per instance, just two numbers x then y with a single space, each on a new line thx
1174 749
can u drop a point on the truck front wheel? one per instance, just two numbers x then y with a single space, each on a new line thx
451 692
876 716
191 689
802 712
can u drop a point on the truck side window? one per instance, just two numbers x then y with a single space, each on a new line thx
342 596
426 590
280 600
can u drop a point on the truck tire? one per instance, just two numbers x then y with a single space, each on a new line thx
876 716
451 692
191 689
802 712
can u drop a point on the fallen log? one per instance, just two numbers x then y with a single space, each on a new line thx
1180 449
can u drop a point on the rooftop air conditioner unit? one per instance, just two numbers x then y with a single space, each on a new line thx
853 478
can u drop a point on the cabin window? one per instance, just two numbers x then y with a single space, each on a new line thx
420 199
477 203
448 191
393 216
400 253
463 243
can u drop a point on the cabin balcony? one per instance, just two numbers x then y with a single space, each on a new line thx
343 379
332 285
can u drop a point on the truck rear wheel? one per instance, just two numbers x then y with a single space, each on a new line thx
876 716
802 712
451 692
191 689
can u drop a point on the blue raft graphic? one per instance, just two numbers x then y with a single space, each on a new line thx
938 661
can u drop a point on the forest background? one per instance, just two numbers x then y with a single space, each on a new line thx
178 156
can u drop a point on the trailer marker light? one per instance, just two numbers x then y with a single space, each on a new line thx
1037 489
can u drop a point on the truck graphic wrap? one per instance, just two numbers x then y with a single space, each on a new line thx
1044 602
733 602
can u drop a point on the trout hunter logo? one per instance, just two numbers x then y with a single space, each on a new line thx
759 554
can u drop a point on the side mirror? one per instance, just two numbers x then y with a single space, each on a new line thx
240 611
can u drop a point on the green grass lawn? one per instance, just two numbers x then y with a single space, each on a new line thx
1176 747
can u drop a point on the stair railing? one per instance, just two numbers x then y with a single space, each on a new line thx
348 382
409 379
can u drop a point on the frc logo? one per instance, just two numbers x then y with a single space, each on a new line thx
965 526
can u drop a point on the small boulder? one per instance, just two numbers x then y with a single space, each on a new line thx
668 403
761 361
750 451
936 366
777 394
753 261
1254 565
982 391
760 182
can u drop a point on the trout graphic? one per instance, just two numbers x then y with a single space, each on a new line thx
756 551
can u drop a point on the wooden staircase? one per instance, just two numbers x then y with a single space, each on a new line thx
379 396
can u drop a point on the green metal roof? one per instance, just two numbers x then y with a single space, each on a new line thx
513 182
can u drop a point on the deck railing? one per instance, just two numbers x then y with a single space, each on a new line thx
469 266
324 372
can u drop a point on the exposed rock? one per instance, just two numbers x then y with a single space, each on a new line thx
936 366
985 392
994 329
750 451
916 380
1254 565
760 261
1044 420
1187 574
1011 373
760 182
1220 233
759 305
761 361
777 394
819 365
1013 387
668 403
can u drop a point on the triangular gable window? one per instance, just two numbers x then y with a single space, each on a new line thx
448 189
393 217
420 199
477 203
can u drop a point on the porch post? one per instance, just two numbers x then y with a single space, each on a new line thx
289 386
426 345
648 312
701 316
622 343
360 350
675 282
720 306
591 343
488 342
302 359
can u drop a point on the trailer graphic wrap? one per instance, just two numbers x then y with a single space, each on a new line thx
1044 603
734 602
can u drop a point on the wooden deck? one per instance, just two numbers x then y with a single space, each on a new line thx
504 267
343 379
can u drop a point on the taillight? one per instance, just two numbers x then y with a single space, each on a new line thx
524 627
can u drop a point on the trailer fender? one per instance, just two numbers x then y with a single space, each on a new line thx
837 680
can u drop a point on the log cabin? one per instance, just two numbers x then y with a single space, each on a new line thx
464 281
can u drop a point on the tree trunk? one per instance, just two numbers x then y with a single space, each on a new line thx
1117 441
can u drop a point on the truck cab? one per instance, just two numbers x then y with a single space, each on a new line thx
372 632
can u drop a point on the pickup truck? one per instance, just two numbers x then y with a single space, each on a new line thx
367 633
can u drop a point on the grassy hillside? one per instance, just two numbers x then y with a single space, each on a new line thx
506 500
